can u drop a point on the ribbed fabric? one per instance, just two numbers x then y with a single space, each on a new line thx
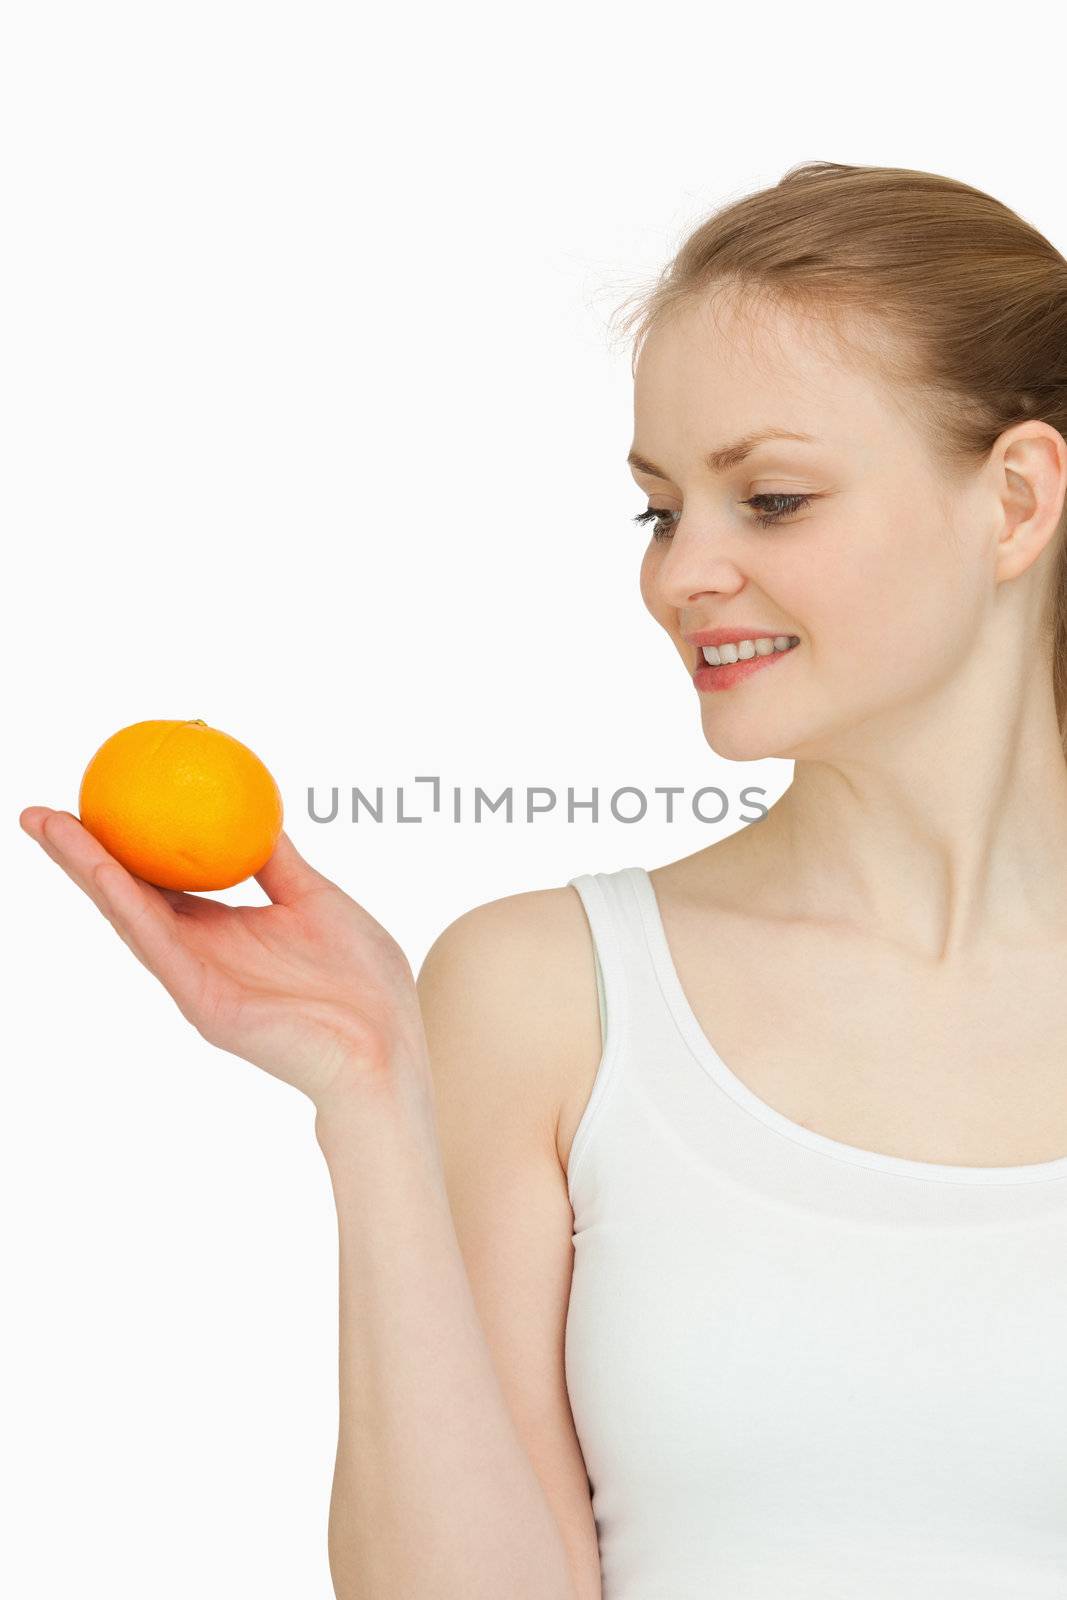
800 1370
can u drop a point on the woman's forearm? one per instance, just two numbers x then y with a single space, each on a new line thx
434 1496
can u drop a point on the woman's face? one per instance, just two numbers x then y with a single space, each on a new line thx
884 574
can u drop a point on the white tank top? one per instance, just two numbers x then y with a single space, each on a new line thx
798 1368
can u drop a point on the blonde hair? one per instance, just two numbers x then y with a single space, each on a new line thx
957 298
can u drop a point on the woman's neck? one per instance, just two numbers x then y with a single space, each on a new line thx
949 851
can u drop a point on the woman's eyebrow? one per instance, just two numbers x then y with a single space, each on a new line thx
729 455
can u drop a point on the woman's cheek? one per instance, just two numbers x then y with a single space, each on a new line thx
647 578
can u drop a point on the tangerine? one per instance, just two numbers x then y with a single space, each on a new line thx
181 804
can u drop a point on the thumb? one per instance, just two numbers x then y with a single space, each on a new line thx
286 876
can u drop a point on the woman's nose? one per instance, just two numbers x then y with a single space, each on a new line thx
696 561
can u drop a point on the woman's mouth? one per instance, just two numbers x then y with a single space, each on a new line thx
741 660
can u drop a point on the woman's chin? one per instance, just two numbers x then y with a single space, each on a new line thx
747 745
750 738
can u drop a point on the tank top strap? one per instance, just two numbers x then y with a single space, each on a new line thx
628 989
636 1029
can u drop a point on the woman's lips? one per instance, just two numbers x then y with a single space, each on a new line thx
712 678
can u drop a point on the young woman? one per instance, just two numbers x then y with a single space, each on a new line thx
704 1230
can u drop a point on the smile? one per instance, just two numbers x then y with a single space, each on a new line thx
733 663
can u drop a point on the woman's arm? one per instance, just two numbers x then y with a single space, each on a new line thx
434 1497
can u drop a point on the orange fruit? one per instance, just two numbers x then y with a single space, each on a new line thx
182 805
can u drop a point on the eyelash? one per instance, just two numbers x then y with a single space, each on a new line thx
793 504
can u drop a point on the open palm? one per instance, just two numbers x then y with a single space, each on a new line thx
310 988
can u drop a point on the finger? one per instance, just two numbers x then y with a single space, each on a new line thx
31 817
137 910
143 919
80 853
79 858
287 877
70 845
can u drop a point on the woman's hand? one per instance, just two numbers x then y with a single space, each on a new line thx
310 988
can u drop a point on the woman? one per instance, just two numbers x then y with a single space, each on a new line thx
741 1270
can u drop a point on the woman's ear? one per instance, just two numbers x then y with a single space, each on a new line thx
1030 460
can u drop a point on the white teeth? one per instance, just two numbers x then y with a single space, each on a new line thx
745 649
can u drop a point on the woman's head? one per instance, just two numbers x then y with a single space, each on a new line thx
916 329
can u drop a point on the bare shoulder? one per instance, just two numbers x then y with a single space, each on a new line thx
521 970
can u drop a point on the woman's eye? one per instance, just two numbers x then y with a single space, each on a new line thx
781 505
775 507
656 518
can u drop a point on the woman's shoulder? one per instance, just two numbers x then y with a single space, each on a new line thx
520 970
527 934
527 955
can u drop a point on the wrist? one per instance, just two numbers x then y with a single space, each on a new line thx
363 1099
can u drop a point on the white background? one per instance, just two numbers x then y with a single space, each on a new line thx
313 428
